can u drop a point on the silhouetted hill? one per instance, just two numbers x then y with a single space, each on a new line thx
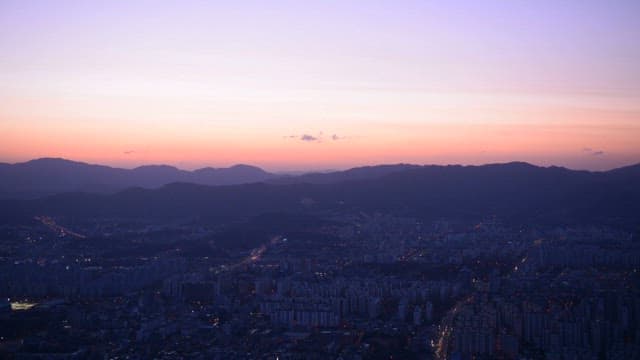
237 174
516 192
359 173
48 176
627 171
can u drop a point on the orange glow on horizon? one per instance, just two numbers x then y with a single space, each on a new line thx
217 84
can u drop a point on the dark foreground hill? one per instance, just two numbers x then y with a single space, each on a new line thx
516 192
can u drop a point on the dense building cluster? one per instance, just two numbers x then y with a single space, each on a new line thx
341 286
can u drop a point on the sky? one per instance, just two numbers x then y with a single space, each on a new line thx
309 85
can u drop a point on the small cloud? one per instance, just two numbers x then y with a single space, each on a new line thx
319 137
129 152
593 152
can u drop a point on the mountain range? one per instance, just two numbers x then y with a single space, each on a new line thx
517 192
49 176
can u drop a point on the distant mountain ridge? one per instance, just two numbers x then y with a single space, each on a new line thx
518 192
354 174
48 176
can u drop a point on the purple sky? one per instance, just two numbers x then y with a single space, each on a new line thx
195 83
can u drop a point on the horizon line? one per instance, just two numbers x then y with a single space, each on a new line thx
311 171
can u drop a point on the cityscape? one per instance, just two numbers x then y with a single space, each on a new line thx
320 281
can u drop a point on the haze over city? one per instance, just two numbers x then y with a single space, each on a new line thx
290 85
